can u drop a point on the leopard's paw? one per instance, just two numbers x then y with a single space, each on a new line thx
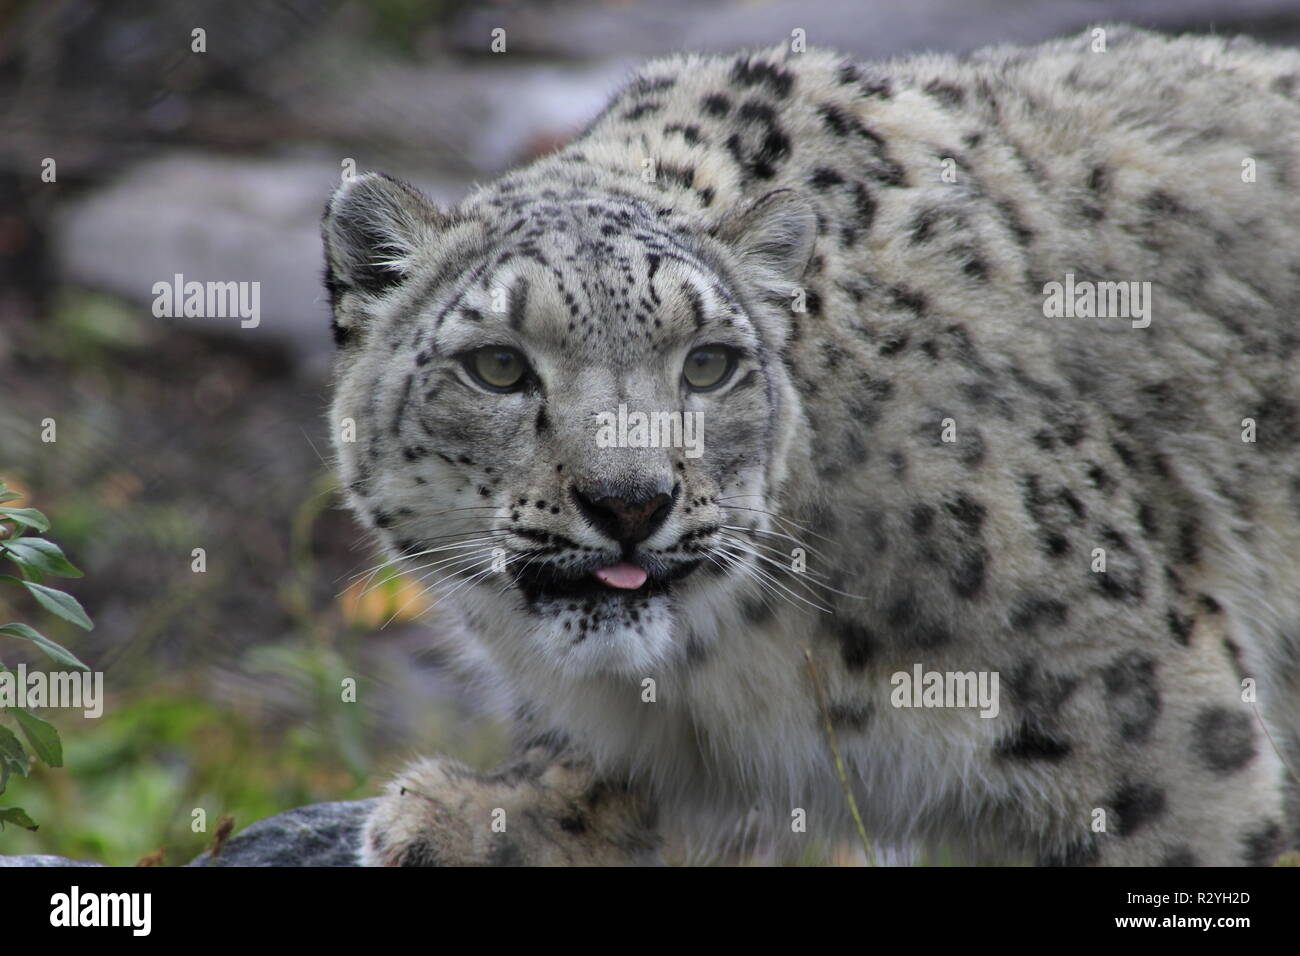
540 811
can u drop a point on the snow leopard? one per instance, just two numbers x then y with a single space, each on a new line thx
993 360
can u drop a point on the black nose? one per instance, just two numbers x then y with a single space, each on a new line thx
627 522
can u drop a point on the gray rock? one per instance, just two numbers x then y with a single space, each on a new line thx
866 28
471 120
43 860
213 219
322 834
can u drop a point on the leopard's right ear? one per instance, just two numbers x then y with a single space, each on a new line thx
374 229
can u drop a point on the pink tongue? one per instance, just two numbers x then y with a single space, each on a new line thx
622 575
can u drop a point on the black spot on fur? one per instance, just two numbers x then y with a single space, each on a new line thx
1263 843
1223 739
923 225
1133 693
1084 852
1100 479
1032 743
967 574
518 303
1234 655
908 298
748 72
848 716
893 343
1190 540
823 178
1163 204
689 133
1180 626
642 109
715 104
1119 583
757 611
1179 856
1125 454
576 824
1137 805
911 626
1037 693
836 120
856 643
1034 612
1147 517
683 176
968 512
418 853
864 206
503 851
399 410
947 94
1011 218
922 519
972 447
645 84
763 145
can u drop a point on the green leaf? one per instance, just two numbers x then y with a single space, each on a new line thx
52 650
13 758
16 815
8 495
30 573
42 736
57 602
28 516
44 556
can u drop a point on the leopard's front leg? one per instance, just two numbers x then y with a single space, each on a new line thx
540 810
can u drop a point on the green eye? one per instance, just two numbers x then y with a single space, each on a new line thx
708 367
497 368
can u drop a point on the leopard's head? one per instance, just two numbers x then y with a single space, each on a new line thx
566 410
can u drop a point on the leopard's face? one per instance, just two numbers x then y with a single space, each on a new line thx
571 432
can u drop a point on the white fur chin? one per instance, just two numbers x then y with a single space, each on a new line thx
537 655
612 647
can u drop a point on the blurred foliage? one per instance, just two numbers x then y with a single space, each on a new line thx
35 558
135 775
225 689
399 24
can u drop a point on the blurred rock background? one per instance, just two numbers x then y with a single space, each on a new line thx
182 433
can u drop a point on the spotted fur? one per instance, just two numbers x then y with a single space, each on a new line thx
784 179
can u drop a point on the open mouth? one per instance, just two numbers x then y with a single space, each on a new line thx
623 580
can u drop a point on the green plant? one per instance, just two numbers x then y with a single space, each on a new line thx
35 557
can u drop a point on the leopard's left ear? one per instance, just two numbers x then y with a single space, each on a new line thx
775 233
